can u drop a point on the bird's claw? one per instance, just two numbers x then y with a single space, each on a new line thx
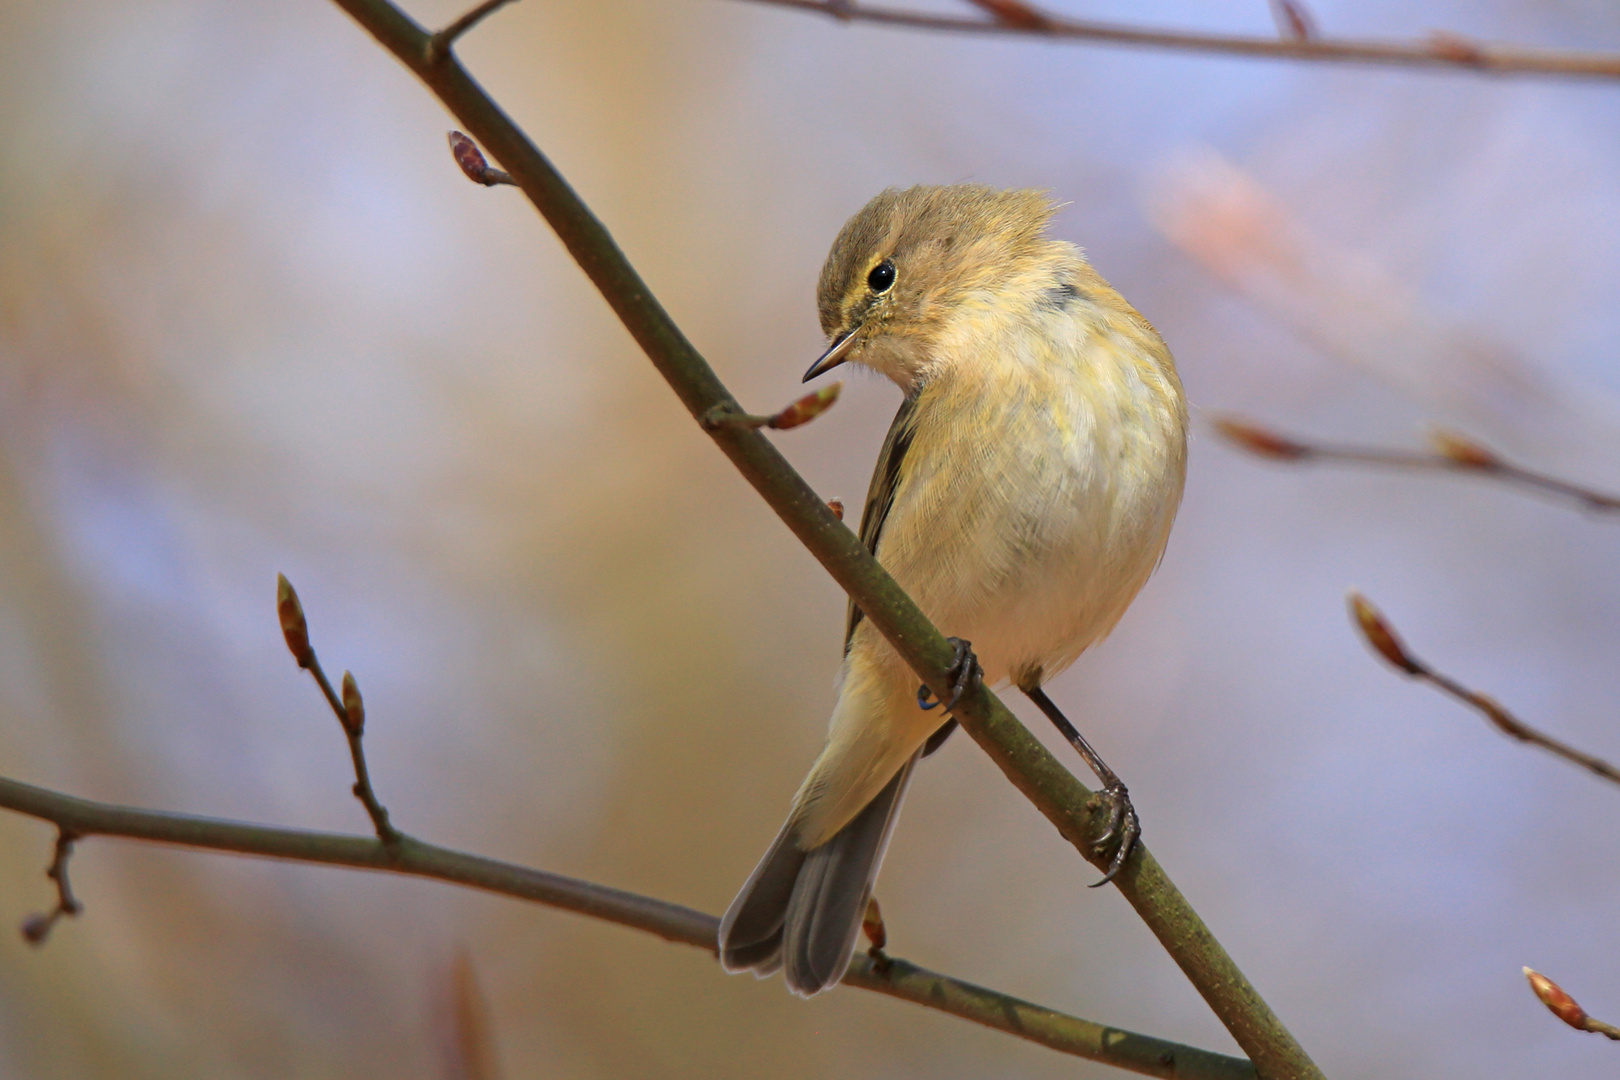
1123 823
964 672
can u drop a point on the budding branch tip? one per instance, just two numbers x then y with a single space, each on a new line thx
1380 635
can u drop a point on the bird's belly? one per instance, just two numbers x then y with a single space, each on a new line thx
1034 556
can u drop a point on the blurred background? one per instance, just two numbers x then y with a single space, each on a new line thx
252 320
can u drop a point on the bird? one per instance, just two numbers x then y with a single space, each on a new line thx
1023 496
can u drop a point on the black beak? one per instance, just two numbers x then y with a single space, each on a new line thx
837 354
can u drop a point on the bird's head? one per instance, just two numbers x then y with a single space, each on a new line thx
912 260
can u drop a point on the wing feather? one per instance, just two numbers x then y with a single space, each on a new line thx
880 496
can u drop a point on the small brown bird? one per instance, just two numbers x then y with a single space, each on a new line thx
1023 497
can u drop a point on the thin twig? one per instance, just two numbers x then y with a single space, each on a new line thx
1452 453
1442 50
36 928
795 415
439 45
1080 816
349 709
672 922
1558 1001
1383 640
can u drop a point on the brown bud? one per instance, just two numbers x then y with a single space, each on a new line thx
837 507
1380 636
354 709
37 927
1462 450
1553 996
1257 440
1456 48
293 625
806 408
469 157
872 925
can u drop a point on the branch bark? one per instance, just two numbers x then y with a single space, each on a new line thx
79 818
1066 802
1442 50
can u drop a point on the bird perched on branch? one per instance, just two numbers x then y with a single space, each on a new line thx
1023 496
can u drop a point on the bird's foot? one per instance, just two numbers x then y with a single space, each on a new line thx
964 671
1122 823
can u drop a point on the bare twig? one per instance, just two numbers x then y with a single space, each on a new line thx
1381 636
1080 816
1564 1007
1442 50
1452 453
36 928
672 922
349 709
800 412
439 45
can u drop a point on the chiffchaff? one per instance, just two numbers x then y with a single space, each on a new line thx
1023 496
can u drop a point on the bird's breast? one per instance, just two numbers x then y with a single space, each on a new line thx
1037 494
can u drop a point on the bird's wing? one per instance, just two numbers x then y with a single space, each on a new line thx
880 496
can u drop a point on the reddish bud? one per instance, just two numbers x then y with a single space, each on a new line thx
1380 636
1257 440
806 408
872 925
1462 450
469 157
293 625
1015 13
354 709
837 507
1553 996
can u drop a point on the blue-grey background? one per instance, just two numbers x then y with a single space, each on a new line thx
253 320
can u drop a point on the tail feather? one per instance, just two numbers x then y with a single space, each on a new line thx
802 910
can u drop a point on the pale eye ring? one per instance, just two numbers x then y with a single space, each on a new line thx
881 279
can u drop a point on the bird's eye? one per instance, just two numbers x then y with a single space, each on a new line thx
881 279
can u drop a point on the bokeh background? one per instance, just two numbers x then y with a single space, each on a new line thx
253 320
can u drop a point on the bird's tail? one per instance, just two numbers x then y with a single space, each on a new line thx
801 910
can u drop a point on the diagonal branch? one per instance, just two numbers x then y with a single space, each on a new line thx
77 818
1443 49
1066 802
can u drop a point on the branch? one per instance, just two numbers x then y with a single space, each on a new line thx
36 928
1065 802
1452 453
1068 1034
350 710
1442 50
1381 636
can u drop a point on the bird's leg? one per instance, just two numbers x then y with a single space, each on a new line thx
964 672
1122 819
